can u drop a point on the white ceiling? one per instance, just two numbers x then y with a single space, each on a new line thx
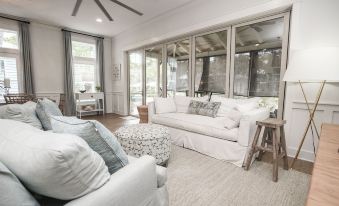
58 12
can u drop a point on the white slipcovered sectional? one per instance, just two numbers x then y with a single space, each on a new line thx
208 135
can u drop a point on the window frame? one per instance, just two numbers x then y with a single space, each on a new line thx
85 60
13 53
284 53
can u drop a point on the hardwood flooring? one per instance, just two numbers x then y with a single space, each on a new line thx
114 121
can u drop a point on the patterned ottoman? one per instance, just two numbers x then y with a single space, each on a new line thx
146 139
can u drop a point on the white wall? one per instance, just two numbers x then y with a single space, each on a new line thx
313 23
48 62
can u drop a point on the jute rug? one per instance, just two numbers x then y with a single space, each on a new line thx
198 180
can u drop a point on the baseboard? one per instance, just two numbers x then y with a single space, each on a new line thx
303 155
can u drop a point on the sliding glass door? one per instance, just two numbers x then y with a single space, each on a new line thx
178 67
239 61
153 68
259 61
135 64
211 63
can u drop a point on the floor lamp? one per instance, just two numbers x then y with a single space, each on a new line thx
316 65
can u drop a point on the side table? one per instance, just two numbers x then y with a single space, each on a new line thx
143 113
273 141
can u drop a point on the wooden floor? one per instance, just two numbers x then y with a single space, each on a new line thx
114 121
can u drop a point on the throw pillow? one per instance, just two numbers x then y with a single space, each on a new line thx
246 107
61 166
164 105
204 108
45 109
182 102
100 139
22 113
12 192
232 119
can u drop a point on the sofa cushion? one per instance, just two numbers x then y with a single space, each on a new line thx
46 108
164 105
98 137
22 113
214 127
246 107
61 166
228 104
182 102
12 192
203 108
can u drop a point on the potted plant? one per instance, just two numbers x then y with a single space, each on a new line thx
98 88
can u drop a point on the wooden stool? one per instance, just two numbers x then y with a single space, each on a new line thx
273 141
143 113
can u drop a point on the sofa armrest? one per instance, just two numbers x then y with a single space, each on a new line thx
151 111
248 127
134 184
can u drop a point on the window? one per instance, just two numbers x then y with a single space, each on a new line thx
9 60
85 71
210 63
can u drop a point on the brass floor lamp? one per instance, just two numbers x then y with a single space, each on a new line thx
316 65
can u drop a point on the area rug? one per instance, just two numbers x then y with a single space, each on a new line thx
198 180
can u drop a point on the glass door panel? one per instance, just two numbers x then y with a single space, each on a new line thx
210 64
178 68
135 81
257 61
153 72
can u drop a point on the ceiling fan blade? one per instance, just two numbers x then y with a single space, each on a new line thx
103 10
127 7
76 7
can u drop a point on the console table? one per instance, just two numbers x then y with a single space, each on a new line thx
83 99
324 189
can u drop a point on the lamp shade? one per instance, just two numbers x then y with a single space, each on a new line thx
313 65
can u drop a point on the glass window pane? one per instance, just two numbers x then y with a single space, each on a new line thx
210 63
84 77
8 70
135 81
178 68
8 39
82 49
153 73
257 62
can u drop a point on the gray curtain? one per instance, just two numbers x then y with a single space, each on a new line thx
68 79
25 51
100 62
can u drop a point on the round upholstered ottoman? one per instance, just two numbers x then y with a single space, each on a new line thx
146 139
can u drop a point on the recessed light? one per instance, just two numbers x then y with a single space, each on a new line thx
257 44
98 20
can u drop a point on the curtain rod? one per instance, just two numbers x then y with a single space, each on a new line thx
76 32
4 16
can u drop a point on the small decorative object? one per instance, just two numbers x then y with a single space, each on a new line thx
88 87
116 72
82 90
98 88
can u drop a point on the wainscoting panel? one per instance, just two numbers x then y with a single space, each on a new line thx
118 102
297 121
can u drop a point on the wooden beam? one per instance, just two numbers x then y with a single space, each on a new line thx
221 40
257 35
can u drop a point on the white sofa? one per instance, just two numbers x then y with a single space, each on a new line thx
140 183
208 135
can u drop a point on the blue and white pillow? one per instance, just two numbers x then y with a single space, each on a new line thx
46 108
97 136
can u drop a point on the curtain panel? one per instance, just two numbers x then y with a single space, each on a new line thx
25 53
70 109
100 63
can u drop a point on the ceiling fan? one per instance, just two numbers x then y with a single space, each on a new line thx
78 3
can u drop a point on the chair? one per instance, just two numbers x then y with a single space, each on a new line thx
19 98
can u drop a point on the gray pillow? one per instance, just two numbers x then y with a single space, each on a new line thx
45 109
99 138
12 192
22 113
204 108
